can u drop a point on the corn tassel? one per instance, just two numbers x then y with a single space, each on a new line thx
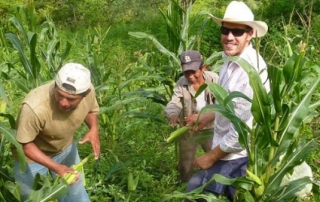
177 133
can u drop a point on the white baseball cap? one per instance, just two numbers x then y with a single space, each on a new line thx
75 75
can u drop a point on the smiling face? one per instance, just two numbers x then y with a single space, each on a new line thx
66 102
232 39
194 77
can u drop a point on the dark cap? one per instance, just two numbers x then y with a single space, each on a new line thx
190 60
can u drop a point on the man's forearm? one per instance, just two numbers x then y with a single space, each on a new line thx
36 155
206 160
92 121
218 154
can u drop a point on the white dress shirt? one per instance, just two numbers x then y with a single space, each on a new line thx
234 78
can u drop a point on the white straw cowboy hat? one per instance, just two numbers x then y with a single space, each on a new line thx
238 12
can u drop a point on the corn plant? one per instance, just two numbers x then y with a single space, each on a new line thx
38 49
30 57
47 188
7 137
275 145
179 26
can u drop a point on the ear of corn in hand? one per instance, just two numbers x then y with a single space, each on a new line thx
70 177
177 133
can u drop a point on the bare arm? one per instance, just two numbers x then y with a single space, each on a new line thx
208 159
93 134
36 155
199 122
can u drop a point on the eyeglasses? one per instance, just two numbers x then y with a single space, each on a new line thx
235 31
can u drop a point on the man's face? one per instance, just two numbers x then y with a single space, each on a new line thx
234 38
66 102
194 77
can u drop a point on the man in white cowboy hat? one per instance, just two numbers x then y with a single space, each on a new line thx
227 157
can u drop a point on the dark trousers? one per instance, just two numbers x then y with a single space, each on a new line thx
230 169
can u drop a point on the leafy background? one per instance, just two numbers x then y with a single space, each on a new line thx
132 76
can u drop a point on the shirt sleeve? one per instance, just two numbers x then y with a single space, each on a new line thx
174 106
28 125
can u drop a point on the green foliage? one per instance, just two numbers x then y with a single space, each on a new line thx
179 24
277 144
35 50
134 79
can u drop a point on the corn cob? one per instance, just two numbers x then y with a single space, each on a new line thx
70 177
259 188
132 183
177 133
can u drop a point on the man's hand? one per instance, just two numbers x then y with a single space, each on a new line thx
92 137
205 161
199 122
191 120
173 120
64 170
35 154
93 134
208 159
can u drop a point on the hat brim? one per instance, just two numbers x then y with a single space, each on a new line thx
194 66
260 28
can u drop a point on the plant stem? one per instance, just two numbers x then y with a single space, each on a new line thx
272 148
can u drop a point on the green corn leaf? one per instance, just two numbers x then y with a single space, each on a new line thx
235 94
288 68
35 65
289 191
261 107
275 76
79 166
23 58
220 94
294 120
158 45
295 157
260 103
201 88
240 126
14 189
292 71
20 28
3 94
10 135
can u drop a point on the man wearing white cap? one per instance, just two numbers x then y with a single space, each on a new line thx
48 118
227 157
